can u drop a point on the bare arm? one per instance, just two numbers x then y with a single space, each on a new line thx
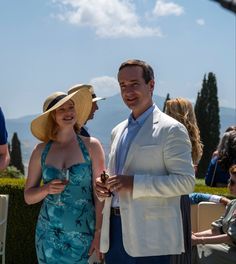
4 156
214 239
98 166
33 192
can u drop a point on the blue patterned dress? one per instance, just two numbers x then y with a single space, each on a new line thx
64 232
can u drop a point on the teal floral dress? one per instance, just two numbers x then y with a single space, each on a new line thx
64 232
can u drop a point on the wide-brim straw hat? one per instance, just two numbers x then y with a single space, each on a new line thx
82 102
76 87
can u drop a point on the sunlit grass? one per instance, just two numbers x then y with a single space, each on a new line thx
201 187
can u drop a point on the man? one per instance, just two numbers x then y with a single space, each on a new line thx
4 153
150 168
94 108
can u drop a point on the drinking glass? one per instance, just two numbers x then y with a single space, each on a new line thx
64 176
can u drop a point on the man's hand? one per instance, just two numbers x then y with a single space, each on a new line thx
101 188
120 183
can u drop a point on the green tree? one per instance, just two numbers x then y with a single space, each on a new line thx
208 119
16 157
167 99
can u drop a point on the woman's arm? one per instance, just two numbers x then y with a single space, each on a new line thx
33 192
214 239
98 166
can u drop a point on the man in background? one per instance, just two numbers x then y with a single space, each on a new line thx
95 99
4 152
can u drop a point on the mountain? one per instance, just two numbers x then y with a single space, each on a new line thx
111 112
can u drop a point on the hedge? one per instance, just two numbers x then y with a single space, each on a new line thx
21 222
22 218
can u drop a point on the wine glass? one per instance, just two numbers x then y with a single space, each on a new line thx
63 175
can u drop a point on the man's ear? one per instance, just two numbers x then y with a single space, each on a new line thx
151 85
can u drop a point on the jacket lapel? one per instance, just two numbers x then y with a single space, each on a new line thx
114 145
153 118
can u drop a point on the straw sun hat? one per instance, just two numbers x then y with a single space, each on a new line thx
82 101
76 87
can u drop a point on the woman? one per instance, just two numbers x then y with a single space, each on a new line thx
182 110
68 227
218 171
218 245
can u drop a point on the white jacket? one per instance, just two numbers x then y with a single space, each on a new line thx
160 160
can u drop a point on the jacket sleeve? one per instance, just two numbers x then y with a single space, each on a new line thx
179 178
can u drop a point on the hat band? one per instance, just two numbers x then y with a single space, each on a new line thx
56 100
94 95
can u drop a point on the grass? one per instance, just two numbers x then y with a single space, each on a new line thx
201 187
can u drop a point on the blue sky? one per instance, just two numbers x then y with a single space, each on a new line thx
50 45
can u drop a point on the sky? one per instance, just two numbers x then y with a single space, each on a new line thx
50 45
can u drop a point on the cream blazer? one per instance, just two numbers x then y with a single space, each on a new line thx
160 160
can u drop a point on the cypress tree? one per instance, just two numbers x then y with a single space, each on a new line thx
16 157
208 119
167 99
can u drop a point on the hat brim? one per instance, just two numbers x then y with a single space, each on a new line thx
83 103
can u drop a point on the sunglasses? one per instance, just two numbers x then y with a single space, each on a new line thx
231 182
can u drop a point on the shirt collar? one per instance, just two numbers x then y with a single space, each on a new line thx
141 119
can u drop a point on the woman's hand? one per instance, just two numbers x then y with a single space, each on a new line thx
197 240
96 245
54 187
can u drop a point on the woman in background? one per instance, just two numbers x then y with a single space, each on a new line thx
182 110
218 244
69 222
218 170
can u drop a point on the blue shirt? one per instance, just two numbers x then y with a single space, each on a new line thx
125 141
215 174
127 136
3 131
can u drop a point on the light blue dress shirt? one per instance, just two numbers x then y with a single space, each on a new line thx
125 141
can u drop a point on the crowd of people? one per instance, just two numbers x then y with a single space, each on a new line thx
137 209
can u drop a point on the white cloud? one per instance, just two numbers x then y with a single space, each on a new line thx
163 8
200 22
113 18
105 86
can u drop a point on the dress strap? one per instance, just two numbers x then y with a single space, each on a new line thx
83 149
45 153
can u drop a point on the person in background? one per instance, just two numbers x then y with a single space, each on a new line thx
230 128
218 244
4 152
196 198
217 173
182 110
95 99
150 168
69 222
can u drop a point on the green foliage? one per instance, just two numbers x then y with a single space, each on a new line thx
22 218
11 172
16 157
207 114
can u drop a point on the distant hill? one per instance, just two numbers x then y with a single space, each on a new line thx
110 113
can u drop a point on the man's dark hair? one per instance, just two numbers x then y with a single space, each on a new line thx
148 73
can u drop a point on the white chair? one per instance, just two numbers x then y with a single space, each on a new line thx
4 200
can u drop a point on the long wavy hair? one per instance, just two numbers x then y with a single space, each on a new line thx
182 110
227 150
